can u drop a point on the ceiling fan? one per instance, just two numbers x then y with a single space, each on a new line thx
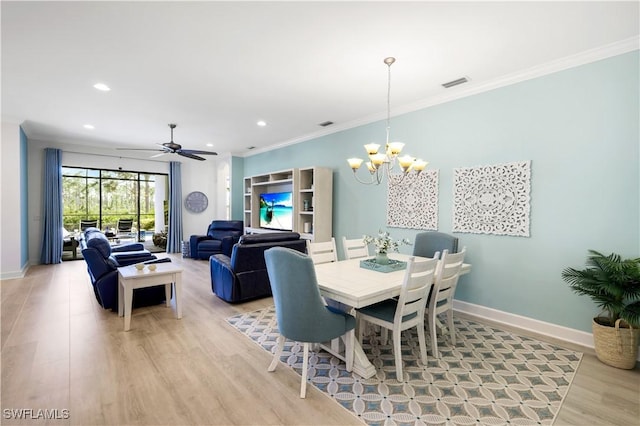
175 148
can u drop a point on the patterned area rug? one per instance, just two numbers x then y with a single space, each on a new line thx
491 377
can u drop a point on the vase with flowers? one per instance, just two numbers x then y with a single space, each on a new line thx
383 245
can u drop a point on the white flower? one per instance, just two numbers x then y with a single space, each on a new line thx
384 243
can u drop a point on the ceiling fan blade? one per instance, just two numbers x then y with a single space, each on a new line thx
159 155
196 151
189 155
139 149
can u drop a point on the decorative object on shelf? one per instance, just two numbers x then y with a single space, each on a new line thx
613 284
383 244
413 203
390 266
196 202
493 199
383 163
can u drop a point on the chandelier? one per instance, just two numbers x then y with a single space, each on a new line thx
384 163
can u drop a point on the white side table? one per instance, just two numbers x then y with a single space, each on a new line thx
130 278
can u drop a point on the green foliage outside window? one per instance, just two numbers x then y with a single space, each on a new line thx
106 196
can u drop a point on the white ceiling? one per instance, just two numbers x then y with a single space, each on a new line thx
216 68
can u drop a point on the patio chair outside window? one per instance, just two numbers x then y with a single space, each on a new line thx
88 223
123 228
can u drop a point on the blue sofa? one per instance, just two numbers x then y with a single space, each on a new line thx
220 238
102 263
243 275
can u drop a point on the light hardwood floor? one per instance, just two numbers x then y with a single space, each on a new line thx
60 350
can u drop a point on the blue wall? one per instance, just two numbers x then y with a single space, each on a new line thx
579 128
24 200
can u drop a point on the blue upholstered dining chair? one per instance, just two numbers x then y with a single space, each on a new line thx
301 313
428 243
441 300
405 312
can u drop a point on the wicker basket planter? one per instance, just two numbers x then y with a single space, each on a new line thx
617 345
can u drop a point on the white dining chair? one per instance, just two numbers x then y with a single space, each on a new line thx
441 300
406 311
322 252
354 248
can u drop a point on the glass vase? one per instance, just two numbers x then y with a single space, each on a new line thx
382 259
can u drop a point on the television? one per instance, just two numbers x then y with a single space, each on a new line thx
276 211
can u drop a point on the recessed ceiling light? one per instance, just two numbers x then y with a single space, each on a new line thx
261 123
209 144
89 126
101 86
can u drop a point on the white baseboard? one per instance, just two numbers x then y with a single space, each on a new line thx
544 328
11 275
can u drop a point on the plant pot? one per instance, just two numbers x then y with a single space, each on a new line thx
382 259
616 345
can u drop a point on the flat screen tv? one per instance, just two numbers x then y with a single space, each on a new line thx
276 211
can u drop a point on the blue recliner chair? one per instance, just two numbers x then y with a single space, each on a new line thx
220 238
243 275
103 262
301 312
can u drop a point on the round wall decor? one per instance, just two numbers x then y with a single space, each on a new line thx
196 202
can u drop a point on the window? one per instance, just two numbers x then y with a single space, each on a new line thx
110 195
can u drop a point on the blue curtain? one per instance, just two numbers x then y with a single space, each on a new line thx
174 237
52 207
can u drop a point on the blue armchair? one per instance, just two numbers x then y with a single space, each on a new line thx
220 238
301 313
103 262
243 275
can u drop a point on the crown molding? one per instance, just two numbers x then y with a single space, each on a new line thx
582 58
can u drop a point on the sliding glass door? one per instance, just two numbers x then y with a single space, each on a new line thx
109 196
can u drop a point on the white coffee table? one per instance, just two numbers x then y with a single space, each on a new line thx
130 278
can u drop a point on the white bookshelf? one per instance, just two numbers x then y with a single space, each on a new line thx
312 198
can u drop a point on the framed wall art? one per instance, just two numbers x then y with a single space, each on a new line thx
412 201
493 199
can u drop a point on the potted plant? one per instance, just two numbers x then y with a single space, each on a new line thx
384 244
613 284
160 239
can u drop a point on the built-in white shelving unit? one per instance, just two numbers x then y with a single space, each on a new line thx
312 198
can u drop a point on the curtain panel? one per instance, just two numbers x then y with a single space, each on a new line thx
174 237
51 251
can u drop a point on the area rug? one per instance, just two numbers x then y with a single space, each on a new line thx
490 377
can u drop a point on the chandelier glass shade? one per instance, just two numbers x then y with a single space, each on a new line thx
384 163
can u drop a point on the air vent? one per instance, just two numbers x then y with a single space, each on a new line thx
455 82
326 123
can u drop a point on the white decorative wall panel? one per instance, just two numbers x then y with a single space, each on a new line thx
493 199
413 202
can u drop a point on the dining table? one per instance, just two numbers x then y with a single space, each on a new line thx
353 286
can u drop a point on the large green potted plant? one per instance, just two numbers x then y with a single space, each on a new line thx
613 284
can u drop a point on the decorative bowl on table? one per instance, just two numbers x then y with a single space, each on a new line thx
152 267
139 266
